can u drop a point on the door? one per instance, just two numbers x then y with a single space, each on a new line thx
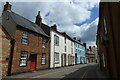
33 62
65 60
62 60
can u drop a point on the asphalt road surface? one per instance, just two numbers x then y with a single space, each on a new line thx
76 72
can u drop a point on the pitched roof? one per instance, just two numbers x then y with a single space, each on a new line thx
25 23
46 28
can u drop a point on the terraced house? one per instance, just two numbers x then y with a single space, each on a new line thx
61 47
69 49
35 46
31 44
79 48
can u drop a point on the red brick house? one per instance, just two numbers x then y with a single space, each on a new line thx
90 56
30 50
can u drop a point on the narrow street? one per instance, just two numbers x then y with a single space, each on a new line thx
77 72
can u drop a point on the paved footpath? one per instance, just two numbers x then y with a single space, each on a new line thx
76 72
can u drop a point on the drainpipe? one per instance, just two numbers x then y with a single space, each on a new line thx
12 42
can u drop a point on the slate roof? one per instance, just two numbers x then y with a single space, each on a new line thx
25 23
65 34
46 28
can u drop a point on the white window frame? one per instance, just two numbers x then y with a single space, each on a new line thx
43 42
65 48
23 58
25 37
72 50
56 40
65 40
43 58
56 57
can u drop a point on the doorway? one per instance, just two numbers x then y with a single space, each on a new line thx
33 59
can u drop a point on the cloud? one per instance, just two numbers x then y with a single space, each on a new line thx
89 31
64 14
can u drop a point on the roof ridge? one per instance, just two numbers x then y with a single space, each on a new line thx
26 23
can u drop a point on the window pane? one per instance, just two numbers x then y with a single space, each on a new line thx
43 61
43 42
56 40
56 57
23 59
24 37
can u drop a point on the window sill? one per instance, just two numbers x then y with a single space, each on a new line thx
23 66
56 62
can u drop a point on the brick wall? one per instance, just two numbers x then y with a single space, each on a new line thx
111 49
33 46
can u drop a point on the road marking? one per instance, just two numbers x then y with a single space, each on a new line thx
85 73
42 75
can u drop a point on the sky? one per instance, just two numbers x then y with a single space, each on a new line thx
78 18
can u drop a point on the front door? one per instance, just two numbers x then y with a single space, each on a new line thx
33 62
65 60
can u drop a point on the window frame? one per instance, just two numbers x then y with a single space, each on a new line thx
56 59
104 25
44 43
65 48
43 58
23 59
25 39
56 40
65 40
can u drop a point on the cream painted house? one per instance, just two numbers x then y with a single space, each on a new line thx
56 48
61 49
70 51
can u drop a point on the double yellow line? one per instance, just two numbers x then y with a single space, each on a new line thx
83 76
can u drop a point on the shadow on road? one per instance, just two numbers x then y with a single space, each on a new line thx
90 72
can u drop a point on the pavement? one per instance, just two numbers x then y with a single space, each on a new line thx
76 72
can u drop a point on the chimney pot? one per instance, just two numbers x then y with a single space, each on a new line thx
38 19
7 2
74 38
7 6
54 27
38 12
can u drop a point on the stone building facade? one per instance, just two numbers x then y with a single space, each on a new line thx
4 50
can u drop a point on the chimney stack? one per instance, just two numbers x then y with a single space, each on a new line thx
7 6
79 40
38 19
54 27
84 44
74 38
90 48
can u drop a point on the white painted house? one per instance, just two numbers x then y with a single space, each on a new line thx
70 51
56 48
61 49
